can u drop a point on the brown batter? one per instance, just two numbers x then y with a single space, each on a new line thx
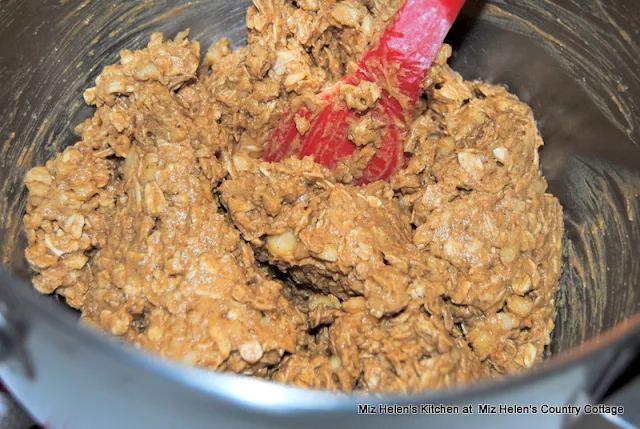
165 229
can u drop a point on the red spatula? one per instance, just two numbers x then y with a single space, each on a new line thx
398 64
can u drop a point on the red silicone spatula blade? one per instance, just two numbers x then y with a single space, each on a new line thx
398 63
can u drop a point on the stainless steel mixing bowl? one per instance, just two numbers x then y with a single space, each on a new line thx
575 62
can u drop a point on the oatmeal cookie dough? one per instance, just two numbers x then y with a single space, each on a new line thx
163 227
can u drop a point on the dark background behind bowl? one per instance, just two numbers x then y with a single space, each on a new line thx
575 63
